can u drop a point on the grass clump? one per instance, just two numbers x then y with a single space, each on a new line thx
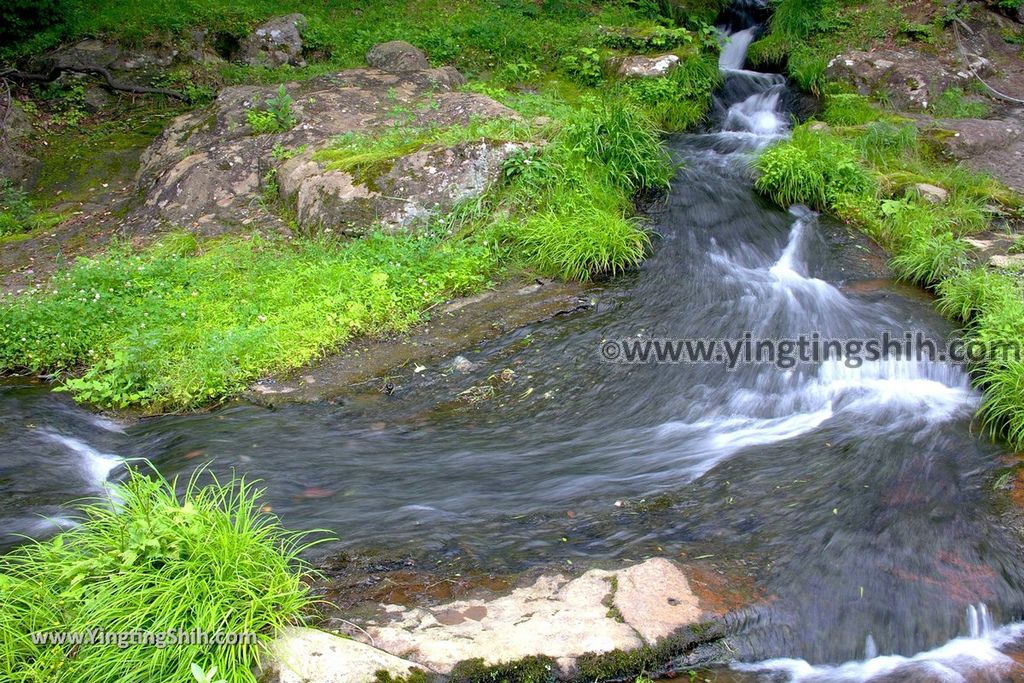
277 117
168 331
566 210
848 109
992 306
679 100
152 562
574 244
17 214
953 104
813 169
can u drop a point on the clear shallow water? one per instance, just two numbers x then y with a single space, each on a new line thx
863 488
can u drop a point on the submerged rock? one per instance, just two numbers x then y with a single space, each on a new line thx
303 655
275 42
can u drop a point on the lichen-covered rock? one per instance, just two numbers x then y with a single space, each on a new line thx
994 146
397 56
555 616
275 42
911 79
395 195
962 139
207 170
640 66
92 53
16 164
84 53
932 194
302 655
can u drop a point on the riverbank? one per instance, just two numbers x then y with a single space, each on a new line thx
878 156
532 168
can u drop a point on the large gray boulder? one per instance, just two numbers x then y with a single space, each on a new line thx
208 172
397 196
275 42
16 164
910 78
397 56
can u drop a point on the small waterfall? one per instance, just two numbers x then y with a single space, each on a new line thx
749 101
976 656
979 621
98 466
734 52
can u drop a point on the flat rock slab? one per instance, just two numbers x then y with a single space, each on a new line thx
912 78
555 616
655 598
303 655
994 146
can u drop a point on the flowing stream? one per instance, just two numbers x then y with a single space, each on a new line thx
864 489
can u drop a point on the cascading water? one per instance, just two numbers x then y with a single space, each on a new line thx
862 488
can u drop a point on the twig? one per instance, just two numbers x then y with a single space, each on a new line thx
55 73
963 54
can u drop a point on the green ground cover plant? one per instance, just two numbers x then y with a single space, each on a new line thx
18 216
177 325
206 558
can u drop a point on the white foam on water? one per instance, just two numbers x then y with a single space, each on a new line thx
757 114
743 432
960 660
98 466
779 404
734 51
105 424
935 392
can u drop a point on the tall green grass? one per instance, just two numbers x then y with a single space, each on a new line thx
573 245
569 209
814 169
681 99
992 306
152 561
